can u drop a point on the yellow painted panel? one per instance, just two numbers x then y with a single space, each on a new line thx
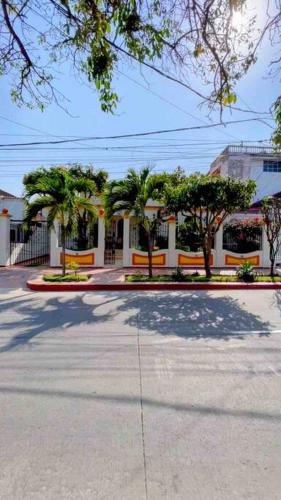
82 260
192 260
236 261
142 260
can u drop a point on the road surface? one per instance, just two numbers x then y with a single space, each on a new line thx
140 395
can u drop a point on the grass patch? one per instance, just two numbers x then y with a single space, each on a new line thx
268 279
58 278
187 278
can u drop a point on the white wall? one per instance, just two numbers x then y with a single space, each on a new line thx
14 205
247 166
268 183
4 239
55 249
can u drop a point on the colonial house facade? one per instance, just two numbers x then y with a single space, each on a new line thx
121 243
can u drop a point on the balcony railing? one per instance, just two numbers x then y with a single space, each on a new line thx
256 150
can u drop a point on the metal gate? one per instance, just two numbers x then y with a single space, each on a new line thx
29 246
109 250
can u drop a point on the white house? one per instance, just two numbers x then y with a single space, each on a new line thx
262 164
13 204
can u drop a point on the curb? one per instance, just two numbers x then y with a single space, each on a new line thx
80 287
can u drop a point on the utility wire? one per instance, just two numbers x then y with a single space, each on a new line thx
139 134
41 132
171 103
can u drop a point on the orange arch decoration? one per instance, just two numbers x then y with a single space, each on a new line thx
192 260
87 259
142 260
236 261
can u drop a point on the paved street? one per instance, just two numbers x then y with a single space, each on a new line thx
140 395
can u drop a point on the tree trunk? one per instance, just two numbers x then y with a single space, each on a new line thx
207 256
82 232
150 246
63 249
272 260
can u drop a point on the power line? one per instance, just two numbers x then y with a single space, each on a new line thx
250 109
41 132
124 136
211 145
171 103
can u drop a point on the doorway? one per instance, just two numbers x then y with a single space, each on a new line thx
113 245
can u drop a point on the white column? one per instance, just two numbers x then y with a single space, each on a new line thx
219 255
126 241
54 246
101 241
4 238
265 250
172 257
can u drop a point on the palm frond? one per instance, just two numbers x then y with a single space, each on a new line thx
83 203
34 207
83 185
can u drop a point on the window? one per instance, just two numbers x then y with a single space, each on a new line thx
272 166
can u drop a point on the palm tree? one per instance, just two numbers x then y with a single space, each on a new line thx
58 192
131 195
99 179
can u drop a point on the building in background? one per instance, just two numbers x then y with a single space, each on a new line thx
262 164
13 204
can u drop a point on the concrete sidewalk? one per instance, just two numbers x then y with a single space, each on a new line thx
17 276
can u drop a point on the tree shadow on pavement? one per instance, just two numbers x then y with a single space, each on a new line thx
193 316
186 315
37 317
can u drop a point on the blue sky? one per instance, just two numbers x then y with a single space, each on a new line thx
143 107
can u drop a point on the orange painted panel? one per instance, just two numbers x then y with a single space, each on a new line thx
142 260
87 259
192 260
236 261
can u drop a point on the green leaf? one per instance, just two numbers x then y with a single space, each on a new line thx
199 50
229 99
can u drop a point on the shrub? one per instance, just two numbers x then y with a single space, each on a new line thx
246 272
67 277
178 275
73 266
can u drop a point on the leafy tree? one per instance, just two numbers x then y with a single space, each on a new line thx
58 192
132 194
271 210
98 177
177 177
276 136
209 201
173 38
